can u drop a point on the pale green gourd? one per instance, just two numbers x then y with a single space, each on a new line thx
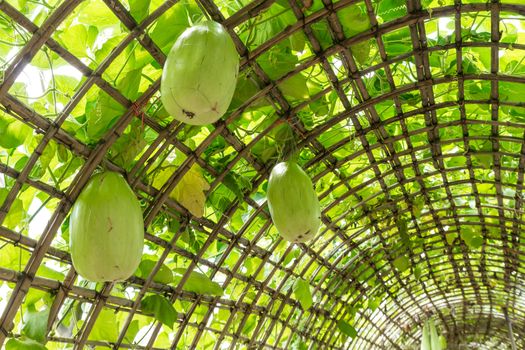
430 340
106 229
200 74
293 203
425 338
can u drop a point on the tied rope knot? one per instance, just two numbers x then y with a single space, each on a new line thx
138 110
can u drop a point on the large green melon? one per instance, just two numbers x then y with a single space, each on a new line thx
200 74
293 203
106 229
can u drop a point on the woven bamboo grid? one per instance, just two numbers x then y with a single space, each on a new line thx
467 305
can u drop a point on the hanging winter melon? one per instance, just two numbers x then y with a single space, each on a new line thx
200 74
293 203
106 229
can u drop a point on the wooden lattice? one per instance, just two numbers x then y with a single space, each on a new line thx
422 137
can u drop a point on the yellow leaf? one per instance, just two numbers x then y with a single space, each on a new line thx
160 176
190 191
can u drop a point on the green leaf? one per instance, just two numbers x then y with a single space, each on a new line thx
171 24
75 39
373 303
50 273
402 263
273 21
472 238
129 84
244 182
62 153
160 308
14 258
101 115
106 327
322 32
250 324
302 292
411 99
476 241
297 41
295 87
450 237
398 42
127 147
285 140
96 13
230 181
132 331
417 272
35 324
279 62
237 184
139 9
510 91
244 90
44 59
361 51
354 19
483 159
164 275
299 344
346 328
13 133
470 66
92 35
293 254
34 295
106 49
15 217
391 9
511 34
23 344
417 206
199 283
402 227
267 153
